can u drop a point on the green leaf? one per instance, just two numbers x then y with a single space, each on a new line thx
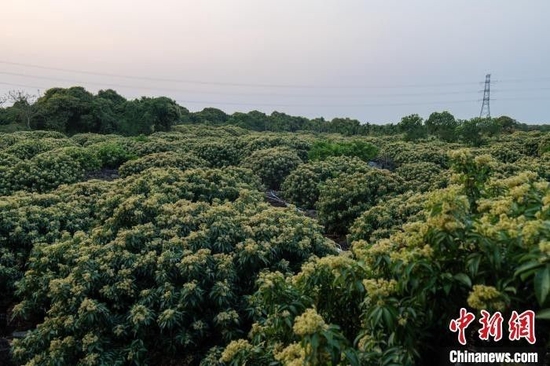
315 341
464 278
544 314
527 269
473 264
542 284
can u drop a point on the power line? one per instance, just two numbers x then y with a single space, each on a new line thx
270 94
524 80
324 104
519 99
32 76
227 84
518 90
23 85
210 102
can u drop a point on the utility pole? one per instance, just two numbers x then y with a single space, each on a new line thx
485 107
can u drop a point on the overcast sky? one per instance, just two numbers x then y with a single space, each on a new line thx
372 60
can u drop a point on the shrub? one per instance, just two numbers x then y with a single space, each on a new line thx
46 171
9 139
505 153
387 217
8 160
541 166
39 135
254 142
43 172
544 145
321 150
217 153
209 131
27 148
405 152
112 153
173 280
301 186
86 139
161 160
85 157
205 185
344 198
272 165
423 176
406 289
28 219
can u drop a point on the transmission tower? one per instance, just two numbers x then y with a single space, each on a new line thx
485 107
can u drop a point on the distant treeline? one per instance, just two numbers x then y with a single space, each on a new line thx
75 110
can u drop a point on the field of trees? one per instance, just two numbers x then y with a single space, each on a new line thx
139 233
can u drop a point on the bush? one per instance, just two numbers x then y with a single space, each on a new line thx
272 165
541 166
404 152
424 176
344 198
161 160
254 142
28 219
112 154
85 157
504 153
8 160
209 131
44 172
387 217
301 186
86 139
9 139
321 150
40 135
27 148
544 145
217 153
205 185
404 290
172 281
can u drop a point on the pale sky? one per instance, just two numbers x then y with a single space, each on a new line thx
375 61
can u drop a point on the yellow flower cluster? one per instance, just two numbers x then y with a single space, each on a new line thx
485 160
227 317
544 247
486 298
234 348
293 355
88 340
268 279
379 288
139 314
87 305
310 322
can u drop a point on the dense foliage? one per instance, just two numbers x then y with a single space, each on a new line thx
344 198
400 292
272 165
161 248
161 160
172 278
321 150
302 185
